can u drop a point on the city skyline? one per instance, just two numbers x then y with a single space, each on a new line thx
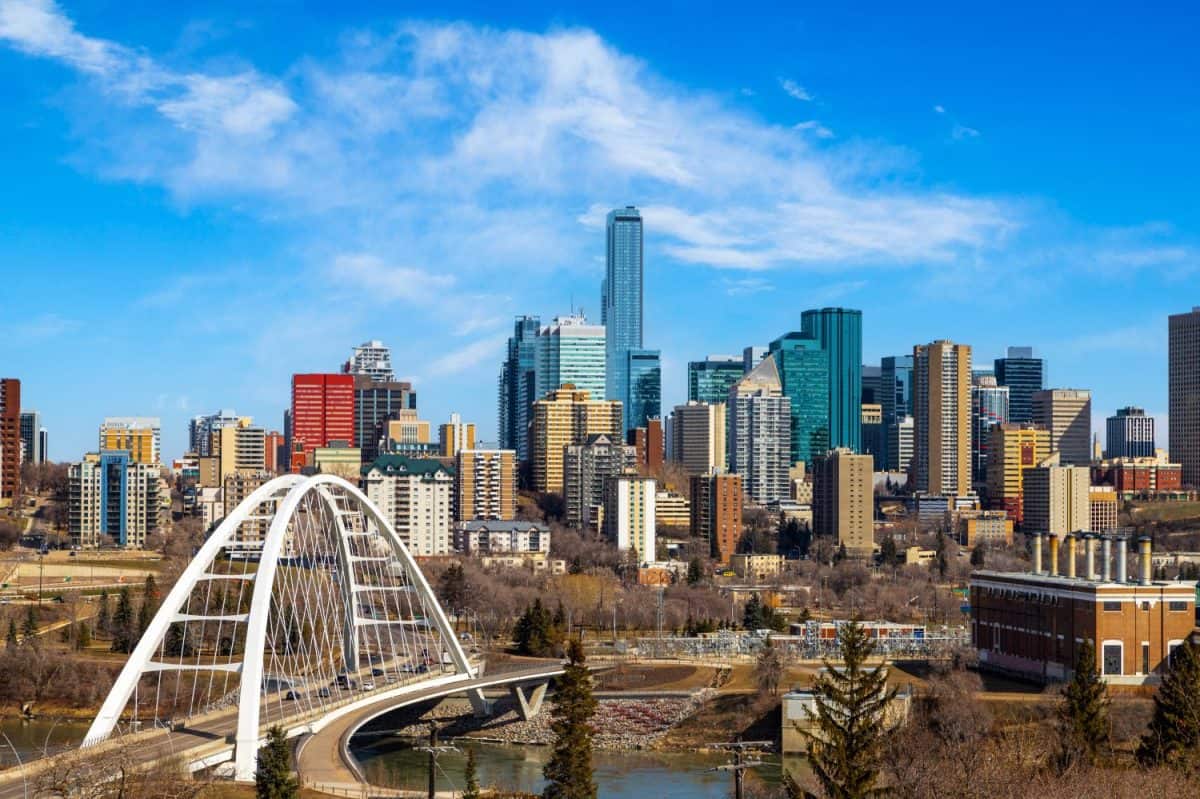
250 275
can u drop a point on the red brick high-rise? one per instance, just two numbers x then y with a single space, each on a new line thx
10 440
322 410
716 510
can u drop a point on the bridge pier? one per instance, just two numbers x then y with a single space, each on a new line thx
480 704
529 702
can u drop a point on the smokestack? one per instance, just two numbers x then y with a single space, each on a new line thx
1107 558
1122 563
1037 554
1071 553
1089 542
1144 552
1054 554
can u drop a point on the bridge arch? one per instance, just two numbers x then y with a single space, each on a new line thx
300 585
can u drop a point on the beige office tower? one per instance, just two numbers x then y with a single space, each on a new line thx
844 500
455 435
1057 498
485 485
698 437
1067 414
564 417
1183 392
942 418
239 448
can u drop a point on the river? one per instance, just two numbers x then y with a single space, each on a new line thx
392 762
30 739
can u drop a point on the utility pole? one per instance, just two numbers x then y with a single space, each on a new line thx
433 751
739 765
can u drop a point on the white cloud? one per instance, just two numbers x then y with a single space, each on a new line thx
741 287
939 109
794 90
815 127
383 281
963 132
484 350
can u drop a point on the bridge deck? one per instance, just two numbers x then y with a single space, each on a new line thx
324 757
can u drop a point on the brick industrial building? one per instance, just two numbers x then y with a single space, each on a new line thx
1031 624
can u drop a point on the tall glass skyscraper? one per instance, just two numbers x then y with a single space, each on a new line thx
621 305
1024 376
709 380
517 386
989 407
804 377
895 399
838 331
645 386
570 351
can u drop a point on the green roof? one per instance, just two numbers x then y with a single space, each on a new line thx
402 464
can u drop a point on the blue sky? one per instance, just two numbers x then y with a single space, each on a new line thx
201 201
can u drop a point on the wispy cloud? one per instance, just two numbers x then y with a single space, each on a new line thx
963 132
384 281
41 327
741 287
794 90
814 127
484 350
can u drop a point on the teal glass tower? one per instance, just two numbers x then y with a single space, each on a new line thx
644 368
838 332
804 377
709 380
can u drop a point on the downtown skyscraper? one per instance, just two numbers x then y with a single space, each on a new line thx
1024 376
942 413
629 367
518 386
1183 392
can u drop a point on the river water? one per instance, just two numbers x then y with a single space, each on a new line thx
392 762
26 740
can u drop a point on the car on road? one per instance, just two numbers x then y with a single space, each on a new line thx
292 696
376 672
368 685
323 693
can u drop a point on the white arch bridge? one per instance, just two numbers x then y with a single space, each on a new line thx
301 608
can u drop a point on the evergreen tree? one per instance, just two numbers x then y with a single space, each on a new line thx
569 773
851 700
694 573
29 627
103 615
1174 732
978 556
887 552
470 778
534 632
1083 714
941 559
122 623
274 779
83 638
752 614
452 588
11 641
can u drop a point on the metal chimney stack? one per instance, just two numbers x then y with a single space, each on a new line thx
1071 554
1054 554
1089 542
1037 554
1144 556
1122 562
1107 558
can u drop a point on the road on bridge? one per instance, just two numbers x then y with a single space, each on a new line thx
208 736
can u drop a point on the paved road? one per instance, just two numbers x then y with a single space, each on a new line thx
209 735
324 756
